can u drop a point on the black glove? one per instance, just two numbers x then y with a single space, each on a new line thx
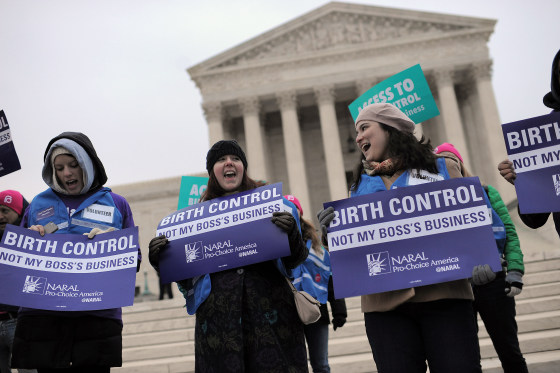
287 223
325 217
298 250
338 322
155 246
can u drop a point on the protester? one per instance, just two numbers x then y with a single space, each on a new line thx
164 289
494 300
246 320
12 207
551 100
72 341
409 326
314 276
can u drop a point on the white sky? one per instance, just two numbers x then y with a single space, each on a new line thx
116 70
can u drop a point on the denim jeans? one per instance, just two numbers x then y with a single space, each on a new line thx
497 311
7 330
317 337
441 332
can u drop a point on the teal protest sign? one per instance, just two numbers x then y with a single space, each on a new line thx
191 189
407 90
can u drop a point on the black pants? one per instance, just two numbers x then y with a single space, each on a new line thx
48 342
165 289
442 332
497 311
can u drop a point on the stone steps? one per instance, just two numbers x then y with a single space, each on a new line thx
158 336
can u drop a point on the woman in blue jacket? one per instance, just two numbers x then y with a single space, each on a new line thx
72 341
314 276
246 319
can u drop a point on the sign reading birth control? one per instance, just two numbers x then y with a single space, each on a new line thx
409 237
9 161
533 145
68 272
223 233
407 90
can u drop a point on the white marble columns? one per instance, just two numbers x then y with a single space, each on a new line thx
336 176
295 160
254 138
481 74
213 112
449 110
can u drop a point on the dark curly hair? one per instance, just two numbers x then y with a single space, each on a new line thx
406 151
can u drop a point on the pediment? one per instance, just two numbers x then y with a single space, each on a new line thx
338 27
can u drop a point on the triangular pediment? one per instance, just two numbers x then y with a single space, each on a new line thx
339 27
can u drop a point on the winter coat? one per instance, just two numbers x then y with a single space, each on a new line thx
63 339
458 289
246 319
512 250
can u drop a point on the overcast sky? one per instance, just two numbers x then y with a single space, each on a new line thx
116 70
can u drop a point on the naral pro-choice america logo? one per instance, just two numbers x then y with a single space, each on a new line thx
193 251
556 180
35 285
378 263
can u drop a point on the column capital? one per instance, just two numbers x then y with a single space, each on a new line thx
465 91
481 70
324 94
250 105
287 100
213 111
443 76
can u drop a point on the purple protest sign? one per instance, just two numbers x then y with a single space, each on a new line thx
68 272
533 145
9 161
223 233
408 237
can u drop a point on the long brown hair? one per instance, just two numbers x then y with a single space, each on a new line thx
214 190
309 233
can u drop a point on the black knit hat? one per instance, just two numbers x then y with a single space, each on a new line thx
221 148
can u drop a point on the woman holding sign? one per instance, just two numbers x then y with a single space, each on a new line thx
72 341
432 323
246 320
314 276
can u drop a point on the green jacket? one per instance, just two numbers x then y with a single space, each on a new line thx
512 251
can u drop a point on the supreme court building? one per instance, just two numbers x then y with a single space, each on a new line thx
284 94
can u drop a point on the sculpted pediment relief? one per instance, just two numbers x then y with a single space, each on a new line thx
336 30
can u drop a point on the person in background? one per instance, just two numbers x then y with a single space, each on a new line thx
164 289
494 300
72 341
246 318
432 323
505 167
12 207
314 276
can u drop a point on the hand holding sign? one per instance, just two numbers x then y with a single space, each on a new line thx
325 217
155 246
533 147
507 171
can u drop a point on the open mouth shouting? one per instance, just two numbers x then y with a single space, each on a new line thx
365 146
